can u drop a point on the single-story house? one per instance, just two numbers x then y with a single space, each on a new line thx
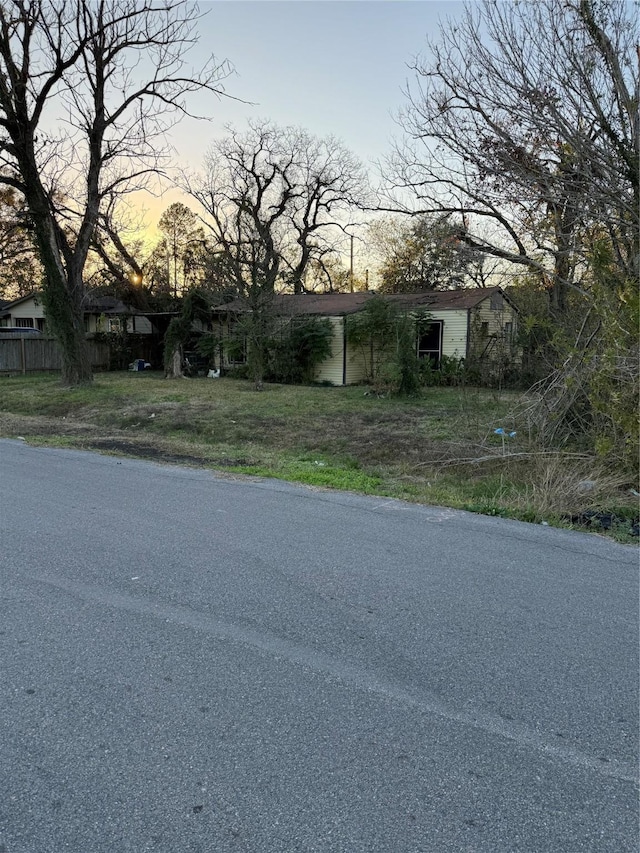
471 323
102 314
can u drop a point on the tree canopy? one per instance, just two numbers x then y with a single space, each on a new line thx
20 270
277 199
425 253
523 124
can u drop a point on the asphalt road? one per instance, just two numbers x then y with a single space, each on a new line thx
198 663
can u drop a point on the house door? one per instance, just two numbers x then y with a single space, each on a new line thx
430 342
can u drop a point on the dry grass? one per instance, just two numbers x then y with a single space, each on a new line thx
559 484
438 449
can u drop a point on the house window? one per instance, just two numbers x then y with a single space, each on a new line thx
497 302
484 330
430 342
41 323
508 330
115 325
24 323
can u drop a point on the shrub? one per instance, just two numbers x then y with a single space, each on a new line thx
386 336
296 350
450 372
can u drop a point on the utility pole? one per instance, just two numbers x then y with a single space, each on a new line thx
351 268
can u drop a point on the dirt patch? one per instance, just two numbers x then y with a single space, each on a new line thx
12 425
374 440
159 454
143 451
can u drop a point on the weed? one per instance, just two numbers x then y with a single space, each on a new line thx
438 449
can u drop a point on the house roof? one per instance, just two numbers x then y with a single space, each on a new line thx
5 306
108 305
339 304
92 305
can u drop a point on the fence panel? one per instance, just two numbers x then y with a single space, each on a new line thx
31 355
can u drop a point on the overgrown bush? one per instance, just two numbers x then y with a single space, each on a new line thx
278 350
449 372
591 399
195 306
296 350
386 337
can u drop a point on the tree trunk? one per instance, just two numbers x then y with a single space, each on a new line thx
64 308
255 358
76 361
173 368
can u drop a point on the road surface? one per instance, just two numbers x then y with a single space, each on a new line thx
192 662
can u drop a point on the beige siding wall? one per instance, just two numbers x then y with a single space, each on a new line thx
357 367
358 363
137 325
454 332
495 319
331 369
334 369
493 330
93 322
454 344
26 310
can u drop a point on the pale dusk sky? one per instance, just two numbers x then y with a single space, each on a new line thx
333 68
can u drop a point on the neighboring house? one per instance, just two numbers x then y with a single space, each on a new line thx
143 341
102 314
474 324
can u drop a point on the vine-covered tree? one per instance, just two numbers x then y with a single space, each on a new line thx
195 307
116 70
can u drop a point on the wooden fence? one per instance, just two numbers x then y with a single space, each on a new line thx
31 355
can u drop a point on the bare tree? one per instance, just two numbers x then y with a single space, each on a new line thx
524 125
276 199
329 274
116 248
112 74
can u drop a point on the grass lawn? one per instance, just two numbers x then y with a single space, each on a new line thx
439 449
